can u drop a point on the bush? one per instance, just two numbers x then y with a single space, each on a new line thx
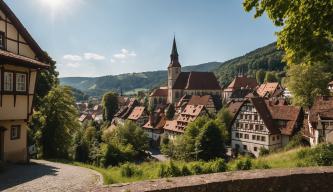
296 141
244 163
196 168
263 151
185 171
129 170
162 172
173 170
324 155
218 165
262 165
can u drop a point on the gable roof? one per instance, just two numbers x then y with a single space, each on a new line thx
273 89
9 57
323 108
196 81
23 31
159 93
242 82
136 113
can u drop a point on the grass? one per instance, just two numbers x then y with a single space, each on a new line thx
298 157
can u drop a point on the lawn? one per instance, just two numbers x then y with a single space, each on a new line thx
298 157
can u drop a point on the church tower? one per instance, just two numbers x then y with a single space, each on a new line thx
174 70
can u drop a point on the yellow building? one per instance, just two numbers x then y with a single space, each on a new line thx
20 61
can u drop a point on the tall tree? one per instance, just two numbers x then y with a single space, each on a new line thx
306 37
316 84
260 76
56 122
110 105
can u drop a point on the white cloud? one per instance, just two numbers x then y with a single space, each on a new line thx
72 57
73 65
123 55
93 56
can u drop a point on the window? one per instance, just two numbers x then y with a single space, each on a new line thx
273 138
241 135
245 147
278 137
263 138
246 136
2 40
251 126
261 127
258 137
237 135
257 127
255 149
8 81
246 126
21 82
15 132
253 137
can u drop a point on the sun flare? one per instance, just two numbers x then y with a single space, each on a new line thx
54 4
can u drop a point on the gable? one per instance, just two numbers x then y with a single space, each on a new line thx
17 38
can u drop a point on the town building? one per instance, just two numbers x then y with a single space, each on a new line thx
239 88
330 86
139 115
21 59
319 127
259 122
212 103
154 126
188 115
269 90
185 83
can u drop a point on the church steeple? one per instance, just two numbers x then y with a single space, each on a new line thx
174 55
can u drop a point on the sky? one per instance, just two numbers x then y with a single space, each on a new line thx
90 38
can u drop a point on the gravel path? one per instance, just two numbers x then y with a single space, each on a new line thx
43 175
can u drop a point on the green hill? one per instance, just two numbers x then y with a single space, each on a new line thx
266 58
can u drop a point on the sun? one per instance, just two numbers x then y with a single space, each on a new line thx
54 4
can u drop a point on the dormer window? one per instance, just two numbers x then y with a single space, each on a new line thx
2 40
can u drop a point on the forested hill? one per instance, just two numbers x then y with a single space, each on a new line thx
266 58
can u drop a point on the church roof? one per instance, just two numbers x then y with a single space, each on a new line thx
196 81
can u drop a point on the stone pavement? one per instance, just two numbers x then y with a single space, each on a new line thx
42 175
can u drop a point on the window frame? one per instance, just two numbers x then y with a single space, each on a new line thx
18 132
25 82
14 90
3 37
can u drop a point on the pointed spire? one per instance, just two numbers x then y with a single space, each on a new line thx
174 55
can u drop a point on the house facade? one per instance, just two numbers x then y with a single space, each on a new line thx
259 123
320 121
21 59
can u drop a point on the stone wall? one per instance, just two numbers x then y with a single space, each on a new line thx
314 179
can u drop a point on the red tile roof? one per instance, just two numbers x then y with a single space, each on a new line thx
273 89
197 81
242 82
159 93
323 108
136 113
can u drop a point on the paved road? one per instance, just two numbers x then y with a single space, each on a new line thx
43 175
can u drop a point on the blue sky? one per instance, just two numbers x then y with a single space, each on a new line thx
107 37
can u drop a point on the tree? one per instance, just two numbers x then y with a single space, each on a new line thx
306 82
306 37
270 77
110 105
170 112
211 141
225 117
260 76
56 122
306 26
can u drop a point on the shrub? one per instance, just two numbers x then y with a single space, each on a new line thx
295 141
244 163
173 170
263 151
129 170
324 155
196 168
218 165
162 172
262 165
185 171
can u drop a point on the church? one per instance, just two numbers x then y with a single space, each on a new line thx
184 83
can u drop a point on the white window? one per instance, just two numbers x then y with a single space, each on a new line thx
21 82
2 40
15 132
8 81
